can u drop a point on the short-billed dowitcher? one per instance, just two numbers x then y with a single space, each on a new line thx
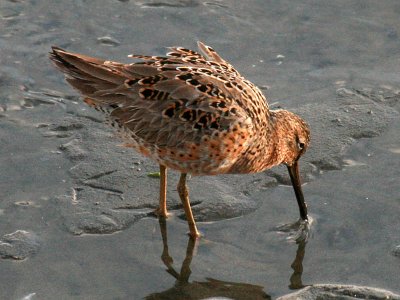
190 112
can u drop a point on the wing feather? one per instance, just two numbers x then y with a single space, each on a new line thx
167 101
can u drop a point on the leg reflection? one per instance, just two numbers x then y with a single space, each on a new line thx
184 274
209 288
297 266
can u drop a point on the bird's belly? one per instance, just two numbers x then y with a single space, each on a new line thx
205 155
191 162
191 159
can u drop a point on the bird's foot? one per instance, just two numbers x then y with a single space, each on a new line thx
195 235
161 213
298 231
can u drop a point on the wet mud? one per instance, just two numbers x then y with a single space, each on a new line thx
77 207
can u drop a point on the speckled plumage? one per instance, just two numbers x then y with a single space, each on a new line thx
188 111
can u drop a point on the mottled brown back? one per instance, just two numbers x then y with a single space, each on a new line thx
188 111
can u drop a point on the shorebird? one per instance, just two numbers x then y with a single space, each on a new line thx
192 112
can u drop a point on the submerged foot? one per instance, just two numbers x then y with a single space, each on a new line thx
298 231
160 212
195 235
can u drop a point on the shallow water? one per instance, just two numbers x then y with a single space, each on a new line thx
300 54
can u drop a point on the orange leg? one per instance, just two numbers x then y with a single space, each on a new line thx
162 209
184 195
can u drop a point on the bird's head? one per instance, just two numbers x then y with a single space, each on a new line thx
297 139
294 139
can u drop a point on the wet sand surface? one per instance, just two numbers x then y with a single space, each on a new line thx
75 210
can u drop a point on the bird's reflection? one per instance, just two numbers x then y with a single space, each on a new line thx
297 266
183 289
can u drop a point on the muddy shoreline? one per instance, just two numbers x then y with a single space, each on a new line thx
76 207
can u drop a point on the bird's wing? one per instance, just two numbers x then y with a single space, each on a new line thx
167 101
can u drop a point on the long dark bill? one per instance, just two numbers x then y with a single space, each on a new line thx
295 178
